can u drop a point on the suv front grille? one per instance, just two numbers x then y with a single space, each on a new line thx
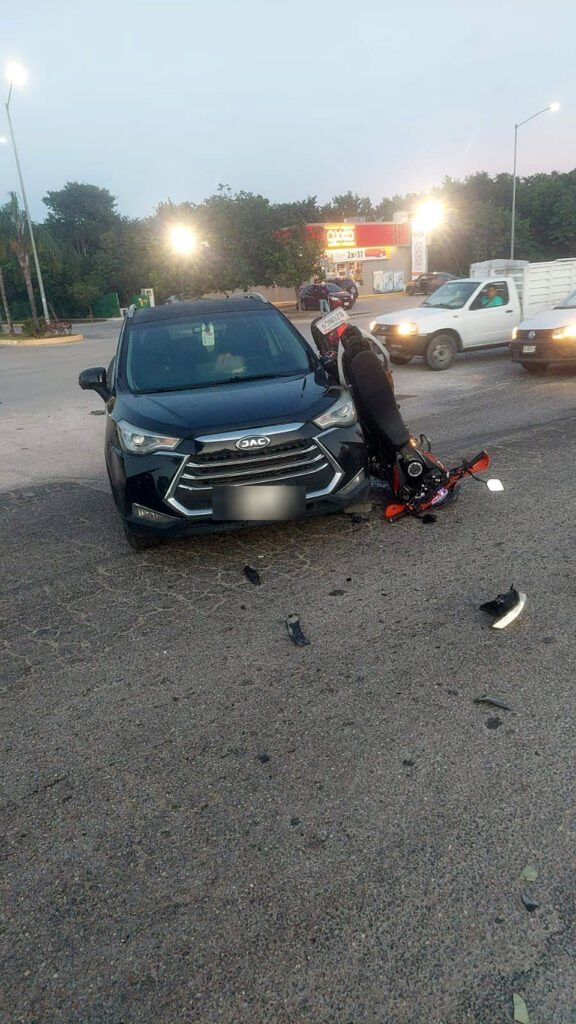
281 462
299 461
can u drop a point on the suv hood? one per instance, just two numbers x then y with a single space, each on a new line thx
221 407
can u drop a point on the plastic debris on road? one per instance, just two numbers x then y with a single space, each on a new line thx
506 607
295 631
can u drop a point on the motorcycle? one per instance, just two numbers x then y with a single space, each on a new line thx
417 480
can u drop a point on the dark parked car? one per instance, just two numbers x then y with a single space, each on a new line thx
311 294
347 283
425 284
205 396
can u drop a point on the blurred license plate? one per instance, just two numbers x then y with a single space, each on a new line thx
526 349
259 502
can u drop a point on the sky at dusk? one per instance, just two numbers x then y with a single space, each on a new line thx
167 99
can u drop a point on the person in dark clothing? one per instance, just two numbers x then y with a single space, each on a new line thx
360 368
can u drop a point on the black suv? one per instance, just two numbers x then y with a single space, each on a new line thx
205 396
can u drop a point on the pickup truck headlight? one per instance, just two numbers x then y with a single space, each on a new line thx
567 333
514 333
373 326
406 328
139 442
341 414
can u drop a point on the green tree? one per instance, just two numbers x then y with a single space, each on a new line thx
15 239
348 206
79 215
297 256
84 294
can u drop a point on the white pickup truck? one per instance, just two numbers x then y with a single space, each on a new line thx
474 312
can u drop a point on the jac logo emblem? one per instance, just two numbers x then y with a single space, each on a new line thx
341 236
258 441
532 335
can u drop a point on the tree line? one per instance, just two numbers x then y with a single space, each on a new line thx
87 248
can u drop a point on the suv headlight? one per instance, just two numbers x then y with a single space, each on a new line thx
341 414
138 442
407 327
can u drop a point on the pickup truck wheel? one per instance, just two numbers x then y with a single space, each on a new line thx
536 367
440 352
400 360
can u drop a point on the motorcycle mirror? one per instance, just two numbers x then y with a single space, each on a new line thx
494 485
480 463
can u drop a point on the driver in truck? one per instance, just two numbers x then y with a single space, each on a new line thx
491 298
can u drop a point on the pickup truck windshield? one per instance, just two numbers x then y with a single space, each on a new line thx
452 295
569 303
177 355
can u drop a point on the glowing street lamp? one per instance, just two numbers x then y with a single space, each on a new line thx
17 75
552 108
182 240
429 215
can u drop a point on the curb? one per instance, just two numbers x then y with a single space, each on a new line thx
61 339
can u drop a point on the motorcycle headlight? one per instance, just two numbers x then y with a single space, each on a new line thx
341 414
567 333
139 442
407 327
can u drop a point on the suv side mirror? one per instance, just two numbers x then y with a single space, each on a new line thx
94 379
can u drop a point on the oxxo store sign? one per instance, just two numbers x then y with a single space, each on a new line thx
341 245
357 242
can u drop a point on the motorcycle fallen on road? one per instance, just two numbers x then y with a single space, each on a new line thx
417 481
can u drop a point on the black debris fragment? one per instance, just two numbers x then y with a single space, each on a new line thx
294 821
505 607
263 758
252 575
485 699
98 412
429 517
337 593
529 902
493 723
408 762
295 631
359 519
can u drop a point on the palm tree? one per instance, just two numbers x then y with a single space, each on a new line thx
14 237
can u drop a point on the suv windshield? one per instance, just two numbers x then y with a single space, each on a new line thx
568 303
452 295
223 347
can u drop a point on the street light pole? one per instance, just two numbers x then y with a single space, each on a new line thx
34 250
552 107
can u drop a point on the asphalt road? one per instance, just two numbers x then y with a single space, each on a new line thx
206 824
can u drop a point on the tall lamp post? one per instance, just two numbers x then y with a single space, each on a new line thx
553 107
17 75
429 215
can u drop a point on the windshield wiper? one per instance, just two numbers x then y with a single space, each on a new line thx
261 376
225 380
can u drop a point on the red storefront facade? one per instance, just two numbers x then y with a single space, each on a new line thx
377 255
